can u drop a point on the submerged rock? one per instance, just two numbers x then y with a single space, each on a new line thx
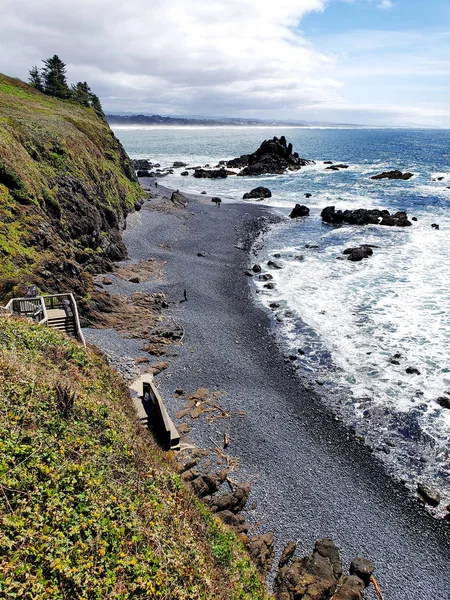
443 401
273 156
259 192
299 210
364 216
393 175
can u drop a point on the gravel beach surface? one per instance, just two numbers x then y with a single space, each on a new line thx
310 477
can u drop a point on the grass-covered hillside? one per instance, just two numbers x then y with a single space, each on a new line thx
89 507
65 186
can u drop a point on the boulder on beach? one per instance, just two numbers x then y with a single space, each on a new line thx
299 210
393 175
273 156
185 173
428 495
144 173
258 192
178 199
364 216
319 575
211 173
177 164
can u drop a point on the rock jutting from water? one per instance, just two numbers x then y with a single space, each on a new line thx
211 173
273 156
393 175
363 216
299 210
259 192
357 254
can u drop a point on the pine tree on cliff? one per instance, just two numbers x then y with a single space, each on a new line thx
81 93
54 74
35 79
96 105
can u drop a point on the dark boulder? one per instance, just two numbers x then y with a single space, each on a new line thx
327 162
256 268
428 495
307 195
274 264
362 568
435 226
412 371
143 173
259 192
177 164
357 254
260 548
299 210
364 216
178 199
185 173
211 173
273 156
443 401
142 164
393 175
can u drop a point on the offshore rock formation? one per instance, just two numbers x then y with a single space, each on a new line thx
273 156
363 216
211 173
393 175
299 210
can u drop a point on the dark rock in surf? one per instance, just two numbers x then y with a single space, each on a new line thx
177 164
443 401
211 173
363 216
274 264
435 226
299 210
273 156
256 268
185 173
259 192
412 371
393 175
307 195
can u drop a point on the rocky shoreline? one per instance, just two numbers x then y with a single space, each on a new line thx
217 312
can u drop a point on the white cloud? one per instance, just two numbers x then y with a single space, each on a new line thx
386 4
203 56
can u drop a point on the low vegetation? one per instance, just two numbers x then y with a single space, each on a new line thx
66 185
90 507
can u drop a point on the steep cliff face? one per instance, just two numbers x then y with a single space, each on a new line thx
66 185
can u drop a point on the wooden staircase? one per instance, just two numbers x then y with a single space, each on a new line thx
58 311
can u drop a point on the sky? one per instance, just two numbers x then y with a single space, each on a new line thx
374 62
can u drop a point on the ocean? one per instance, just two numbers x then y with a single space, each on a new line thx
355 328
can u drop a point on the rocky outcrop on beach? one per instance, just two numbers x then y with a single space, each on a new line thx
142 164
319 575
256 193
364 216
273 156
221 173
299 210
393 175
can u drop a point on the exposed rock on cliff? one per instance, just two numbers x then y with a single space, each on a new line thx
66 185
273 156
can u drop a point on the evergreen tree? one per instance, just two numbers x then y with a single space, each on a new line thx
35 79
81 93
96 105
54 74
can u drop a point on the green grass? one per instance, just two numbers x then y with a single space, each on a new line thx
89 506
54 154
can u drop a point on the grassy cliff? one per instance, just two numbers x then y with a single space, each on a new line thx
66 185
89 506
